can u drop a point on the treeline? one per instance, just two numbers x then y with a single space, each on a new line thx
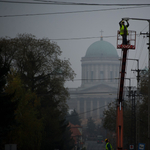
33 98
135 123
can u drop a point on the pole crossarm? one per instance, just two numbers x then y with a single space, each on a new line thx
126 18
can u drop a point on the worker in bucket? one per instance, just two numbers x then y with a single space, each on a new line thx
124 31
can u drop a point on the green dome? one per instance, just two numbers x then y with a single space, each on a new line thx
101 49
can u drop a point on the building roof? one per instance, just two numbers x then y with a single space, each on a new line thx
101 49
75 131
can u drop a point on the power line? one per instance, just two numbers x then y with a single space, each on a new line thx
141 50
144 61
96 79
135 54
144 28
89 111
142 46
90 93
84 11
99 79
85 38
82 38
92 109
21 2
138 46
93 4
70 3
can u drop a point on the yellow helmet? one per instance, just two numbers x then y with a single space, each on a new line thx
106 139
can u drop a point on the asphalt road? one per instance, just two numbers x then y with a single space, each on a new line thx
93 145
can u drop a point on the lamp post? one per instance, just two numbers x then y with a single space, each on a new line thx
137 103
141 19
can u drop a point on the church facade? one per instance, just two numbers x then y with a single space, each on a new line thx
99 84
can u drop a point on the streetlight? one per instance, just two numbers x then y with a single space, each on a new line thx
141 19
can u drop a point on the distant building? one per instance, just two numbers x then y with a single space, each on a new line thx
99 85
76 135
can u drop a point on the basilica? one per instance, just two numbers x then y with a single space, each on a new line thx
99 84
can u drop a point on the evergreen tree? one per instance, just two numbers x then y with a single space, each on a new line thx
91 127
74 118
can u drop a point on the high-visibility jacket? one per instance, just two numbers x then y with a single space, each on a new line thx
108 146
122 30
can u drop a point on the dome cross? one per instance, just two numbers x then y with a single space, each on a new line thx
101 34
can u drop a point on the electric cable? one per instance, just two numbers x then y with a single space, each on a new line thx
95 93
137 47
93 4
70 3
135 54
144 28
141 50
144 60
142 46
91 110
84 38
56 13
97 79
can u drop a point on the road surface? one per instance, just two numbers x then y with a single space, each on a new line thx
93 145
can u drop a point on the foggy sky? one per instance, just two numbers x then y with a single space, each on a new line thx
78 25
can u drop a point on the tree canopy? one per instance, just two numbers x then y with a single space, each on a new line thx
37 78
141 107
7 106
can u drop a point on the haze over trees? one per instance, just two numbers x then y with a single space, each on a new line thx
35 83
141 121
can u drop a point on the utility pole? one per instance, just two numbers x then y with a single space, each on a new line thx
133 121
137 104
141 19
131 96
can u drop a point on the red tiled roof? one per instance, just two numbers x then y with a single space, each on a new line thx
75 131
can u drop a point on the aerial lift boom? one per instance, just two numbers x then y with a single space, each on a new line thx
131 37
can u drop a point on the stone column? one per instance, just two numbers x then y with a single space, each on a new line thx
91 113
96 73
107 71
99 67
98 110
78 106
84 109
105 104
83 73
